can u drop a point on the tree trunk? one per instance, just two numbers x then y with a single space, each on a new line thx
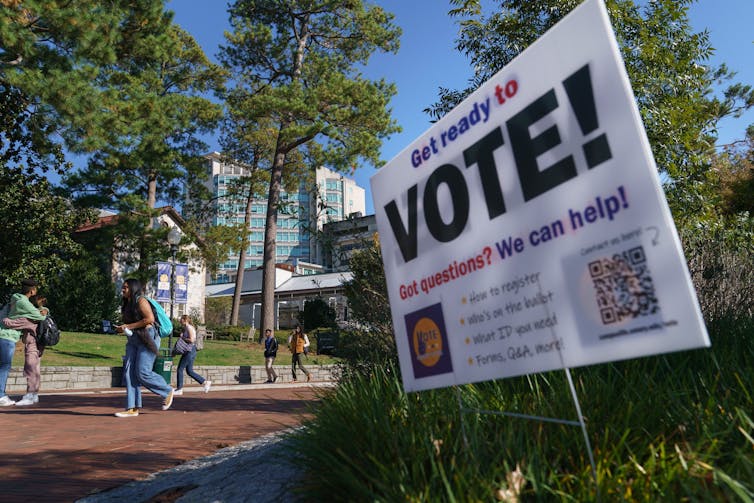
242 261
144 259
152 190
270 232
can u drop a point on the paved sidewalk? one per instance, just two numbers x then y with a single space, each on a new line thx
70 445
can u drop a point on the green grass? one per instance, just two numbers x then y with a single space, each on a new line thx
676 427
95 350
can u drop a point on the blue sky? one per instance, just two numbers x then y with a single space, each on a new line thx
427 59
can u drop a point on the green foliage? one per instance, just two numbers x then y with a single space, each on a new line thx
317 314
666 63
52 55
370 341
217 310
153 148
720 256
454 444
37 228
230 332
362 351
123 82
82 295
367 291
734 170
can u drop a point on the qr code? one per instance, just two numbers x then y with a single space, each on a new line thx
623 286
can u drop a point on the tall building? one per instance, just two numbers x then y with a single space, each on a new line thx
340 240
333 199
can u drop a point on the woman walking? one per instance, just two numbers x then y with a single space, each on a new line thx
187 358
141 350
298 342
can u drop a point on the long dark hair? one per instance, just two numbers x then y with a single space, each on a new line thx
129 307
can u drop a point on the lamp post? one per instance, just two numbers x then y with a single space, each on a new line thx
174 237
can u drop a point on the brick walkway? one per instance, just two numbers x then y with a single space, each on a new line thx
70 444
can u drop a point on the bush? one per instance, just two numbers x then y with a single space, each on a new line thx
317 313
362 351
217 310
82 296
231 333
721 263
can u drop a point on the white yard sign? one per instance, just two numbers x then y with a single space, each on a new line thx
527 230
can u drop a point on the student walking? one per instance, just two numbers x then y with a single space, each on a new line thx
270 352
187 359
298 342
141 350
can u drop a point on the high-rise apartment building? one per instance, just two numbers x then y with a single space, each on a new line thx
334 198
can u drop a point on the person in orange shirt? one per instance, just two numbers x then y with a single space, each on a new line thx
298 342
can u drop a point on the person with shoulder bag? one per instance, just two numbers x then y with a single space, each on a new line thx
270 352
298 342
187 342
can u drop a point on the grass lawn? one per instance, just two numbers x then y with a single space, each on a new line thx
101 350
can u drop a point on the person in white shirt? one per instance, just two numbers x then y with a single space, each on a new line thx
187 358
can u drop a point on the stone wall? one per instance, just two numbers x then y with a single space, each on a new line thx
73 378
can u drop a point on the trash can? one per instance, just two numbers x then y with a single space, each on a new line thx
163 364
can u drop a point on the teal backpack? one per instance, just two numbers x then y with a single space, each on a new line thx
163 325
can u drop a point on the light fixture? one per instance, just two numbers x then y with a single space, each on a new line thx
174 236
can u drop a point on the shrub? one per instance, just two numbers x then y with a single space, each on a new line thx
721 263
317 313
231 333
217 310
82 296
369 342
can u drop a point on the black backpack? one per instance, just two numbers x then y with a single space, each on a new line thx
48 333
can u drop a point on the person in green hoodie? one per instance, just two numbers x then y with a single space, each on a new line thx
20 307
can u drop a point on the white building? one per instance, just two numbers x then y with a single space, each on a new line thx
333 199
120 263
292 291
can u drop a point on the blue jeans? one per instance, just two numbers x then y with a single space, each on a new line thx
138 371
187 363
7 348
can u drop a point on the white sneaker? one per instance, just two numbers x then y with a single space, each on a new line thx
6 401
28 399
207 386
128 413
178 392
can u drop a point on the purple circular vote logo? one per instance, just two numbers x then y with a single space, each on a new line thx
428 339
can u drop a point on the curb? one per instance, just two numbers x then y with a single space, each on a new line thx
193 389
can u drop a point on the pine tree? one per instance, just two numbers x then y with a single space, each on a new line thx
296 64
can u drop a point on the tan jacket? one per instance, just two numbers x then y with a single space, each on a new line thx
297 343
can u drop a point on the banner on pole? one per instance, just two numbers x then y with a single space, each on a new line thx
527 230
181 283
163 282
